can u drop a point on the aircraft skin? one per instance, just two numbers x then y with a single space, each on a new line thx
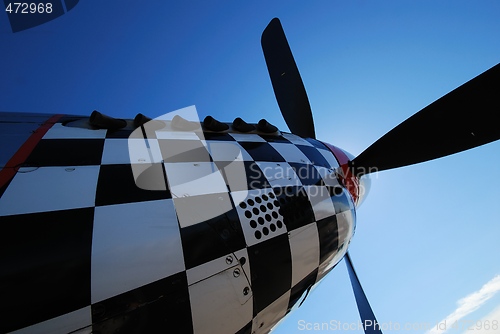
87 250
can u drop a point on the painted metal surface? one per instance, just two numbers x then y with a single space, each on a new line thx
93 251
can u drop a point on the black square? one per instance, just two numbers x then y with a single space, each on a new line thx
339 199
316 143
211 239
45 269
328 237
271 270
121 133
66 152
247 329
314 156
304 285
308 175
275 139
294 206
159 307
260 151
217 136
116 185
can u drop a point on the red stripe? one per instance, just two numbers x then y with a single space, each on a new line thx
351 182
11 167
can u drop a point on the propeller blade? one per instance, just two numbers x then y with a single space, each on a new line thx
287 83
368 319
467 117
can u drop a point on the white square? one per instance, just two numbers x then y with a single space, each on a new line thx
251 137
221 303
304 247
259 215
193 210
59 131
183 135
294 139
279 174
321 201
116 151
213 267
50 188
141 151
191 179
330 158
227 151
132 150
133 245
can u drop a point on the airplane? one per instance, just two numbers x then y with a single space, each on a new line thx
176 225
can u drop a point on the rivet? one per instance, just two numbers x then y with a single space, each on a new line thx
236 272
229 259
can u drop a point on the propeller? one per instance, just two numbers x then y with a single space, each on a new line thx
287 83
467 117
294 105
368 319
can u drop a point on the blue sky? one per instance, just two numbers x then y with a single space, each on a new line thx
427 235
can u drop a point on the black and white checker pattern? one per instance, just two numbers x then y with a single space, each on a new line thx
149 259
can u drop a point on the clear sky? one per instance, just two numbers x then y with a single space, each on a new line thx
427 235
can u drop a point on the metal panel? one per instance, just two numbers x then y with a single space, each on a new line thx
134 244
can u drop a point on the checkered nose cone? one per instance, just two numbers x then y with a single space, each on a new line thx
110 229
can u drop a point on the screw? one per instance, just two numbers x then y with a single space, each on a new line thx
229 259
246 290
236 272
